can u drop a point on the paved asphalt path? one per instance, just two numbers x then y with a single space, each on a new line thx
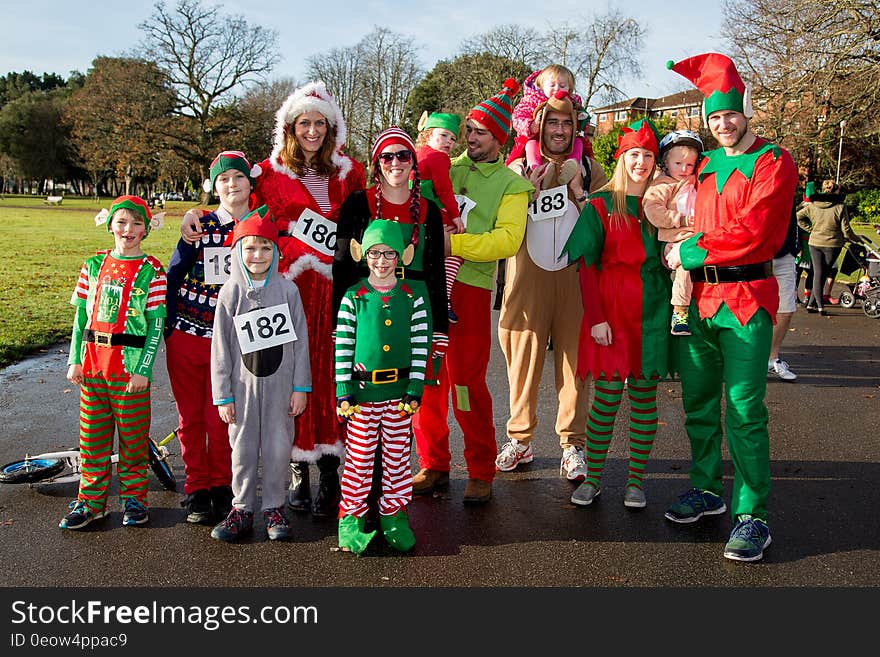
825 449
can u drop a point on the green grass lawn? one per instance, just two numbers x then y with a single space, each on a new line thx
42 249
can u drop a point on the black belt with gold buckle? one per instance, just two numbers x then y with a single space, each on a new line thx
713 275
104 339
390 375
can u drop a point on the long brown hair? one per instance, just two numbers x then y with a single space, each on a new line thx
293 157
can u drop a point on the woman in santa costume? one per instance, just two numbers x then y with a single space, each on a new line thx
305 182
625 329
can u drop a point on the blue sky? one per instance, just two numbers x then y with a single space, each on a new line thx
60 36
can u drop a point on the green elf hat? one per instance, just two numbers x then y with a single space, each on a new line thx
382 231
716 77
451 122
641 134
496 113
135 204
230 160
810 190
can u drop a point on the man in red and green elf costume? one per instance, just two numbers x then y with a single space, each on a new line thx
744 196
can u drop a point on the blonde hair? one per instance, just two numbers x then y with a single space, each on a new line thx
617 187
423 137
555 71
293 157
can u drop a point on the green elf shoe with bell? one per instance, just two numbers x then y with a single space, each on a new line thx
397 531
352 537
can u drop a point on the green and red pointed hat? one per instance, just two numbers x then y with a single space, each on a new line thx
257 223
641 134
715 75
496 113
134 204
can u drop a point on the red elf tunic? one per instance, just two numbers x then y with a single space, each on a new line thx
624 283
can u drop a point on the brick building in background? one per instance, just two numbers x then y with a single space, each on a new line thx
684 107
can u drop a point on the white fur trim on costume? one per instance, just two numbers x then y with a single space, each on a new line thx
319 450
311 96
308 261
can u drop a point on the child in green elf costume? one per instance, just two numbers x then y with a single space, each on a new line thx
383 336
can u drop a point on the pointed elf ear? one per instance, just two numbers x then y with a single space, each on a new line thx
408 254
357 253
423 119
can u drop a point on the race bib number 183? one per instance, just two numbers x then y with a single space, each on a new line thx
264 327
549 204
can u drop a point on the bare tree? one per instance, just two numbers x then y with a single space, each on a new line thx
511 41
256 112
371 81
206 56
601 50
812 64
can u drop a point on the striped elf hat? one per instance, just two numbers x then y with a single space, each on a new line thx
495 113
389 137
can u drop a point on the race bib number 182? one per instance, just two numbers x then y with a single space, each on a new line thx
264 327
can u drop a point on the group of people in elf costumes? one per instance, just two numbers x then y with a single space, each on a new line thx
381 315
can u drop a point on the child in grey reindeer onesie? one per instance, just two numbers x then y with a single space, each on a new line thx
259 374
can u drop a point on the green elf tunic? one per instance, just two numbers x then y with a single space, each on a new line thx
624 283
381 331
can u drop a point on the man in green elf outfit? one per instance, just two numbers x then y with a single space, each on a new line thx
741 216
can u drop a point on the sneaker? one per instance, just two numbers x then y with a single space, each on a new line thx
135 513
453 318
780 368
277 526
198 506
584 494
634 497
573 466
512 454
237 524
80 515
748 539
694 504
679 324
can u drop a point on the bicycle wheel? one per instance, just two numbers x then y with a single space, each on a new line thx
161 467
30 470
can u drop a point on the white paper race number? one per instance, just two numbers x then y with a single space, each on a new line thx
316 231
217 260
263 328
549 204
465 205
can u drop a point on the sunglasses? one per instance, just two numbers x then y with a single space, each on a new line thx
403 157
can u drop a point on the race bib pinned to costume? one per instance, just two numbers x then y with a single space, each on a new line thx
549 204
315 231
465 205
217 261
264 327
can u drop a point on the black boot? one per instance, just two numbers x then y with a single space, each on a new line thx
221 501
327 500
299 494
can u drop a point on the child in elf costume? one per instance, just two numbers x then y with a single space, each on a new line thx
195 274
260 374
437 136
383 335
120 314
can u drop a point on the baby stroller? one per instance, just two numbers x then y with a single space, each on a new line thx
864 258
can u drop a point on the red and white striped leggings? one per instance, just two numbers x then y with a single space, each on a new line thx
363 434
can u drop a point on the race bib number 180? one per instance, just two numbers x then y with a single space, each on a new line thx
549 204
316 231
264 327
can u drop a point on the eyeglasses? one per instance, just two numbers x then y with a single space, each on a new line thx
403 157
374 254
